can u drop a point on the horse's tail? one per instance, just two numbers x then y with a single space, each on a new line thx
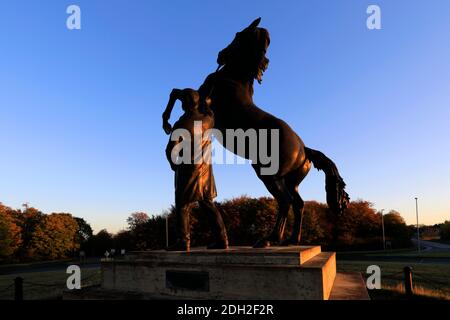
337 198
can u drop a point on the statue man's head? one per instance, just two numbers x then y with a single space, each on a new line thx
190 100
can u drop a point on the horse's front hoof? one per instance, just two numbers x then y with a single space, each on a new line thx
263 243
218 245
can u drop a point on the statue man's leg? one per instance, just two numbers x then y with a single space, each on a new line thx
183 241
216 223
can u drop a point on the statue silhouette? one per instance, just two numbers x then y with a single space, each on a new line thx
194 180
230 90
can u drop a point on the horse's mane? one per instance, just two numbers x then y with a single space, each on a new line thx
246 54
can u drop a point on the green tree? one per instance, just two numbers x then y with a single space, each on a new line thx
99 243
396 229
123 240
84 232
139 227
445 230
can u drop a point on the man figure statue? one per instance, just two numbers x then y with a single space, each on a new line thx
194 181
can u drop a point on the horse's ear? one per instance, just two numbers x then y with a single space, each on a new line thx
255 23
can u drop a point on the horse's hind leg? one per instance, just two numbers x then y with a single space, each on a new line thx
297 208
278 189
292 181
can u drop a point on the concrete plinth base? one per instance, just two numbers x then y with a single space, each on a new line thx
297 272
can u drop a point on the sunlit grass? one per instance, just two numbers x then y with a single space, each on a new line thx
429 280
419 291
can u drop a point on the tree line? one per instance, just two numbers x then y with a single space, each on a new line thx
248 219
28 234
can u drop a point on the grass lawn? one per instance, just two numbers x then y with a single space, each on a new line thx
45 285
430 280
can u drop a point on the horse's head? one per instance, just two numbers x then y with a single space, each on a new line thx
247 52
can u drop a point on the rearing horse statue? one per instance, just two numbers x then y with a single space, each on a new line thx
230 91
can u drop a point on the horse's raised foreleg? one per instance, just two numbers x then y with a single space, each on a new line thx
278 189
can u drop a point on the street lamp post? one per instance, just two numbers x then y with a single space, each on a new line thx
382 226
167 230
417 218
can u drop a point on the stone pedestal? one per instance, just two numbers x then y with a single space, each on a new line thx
297 272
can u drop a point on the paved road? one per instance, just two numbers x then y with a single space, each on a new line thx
406 259
432 245
50 266
427 246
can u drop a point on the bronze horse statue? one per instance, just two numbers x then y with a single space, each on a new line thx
229 92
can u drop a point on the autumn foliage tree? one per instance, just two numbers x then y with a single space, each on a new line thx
136 219
55 237
359 227
248 219
10 232
27 219
316 227
29 234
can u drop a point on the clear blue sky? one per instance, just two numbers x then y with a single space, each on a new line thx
80 111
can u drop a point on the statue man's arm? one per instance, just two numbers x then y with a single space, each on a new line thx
174 95
170 145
